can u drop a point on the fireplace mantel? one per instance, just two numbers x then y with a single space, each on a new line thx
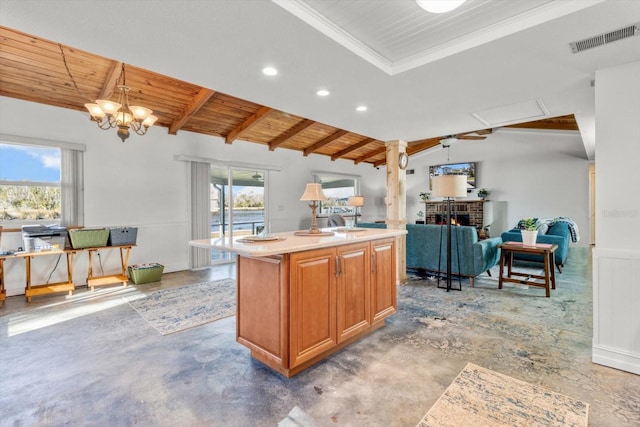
473 208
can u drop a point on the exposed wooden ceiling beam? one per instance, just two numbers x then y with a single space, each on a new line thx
246 125
370 154
567 122
414 147
325 141
379 163
304 124
111 81
196 103
354 147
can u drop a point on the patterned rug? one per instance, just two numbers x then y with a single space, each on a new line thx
481 397
174 310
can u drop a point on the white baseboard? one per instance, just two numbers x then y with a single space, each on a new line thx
616 359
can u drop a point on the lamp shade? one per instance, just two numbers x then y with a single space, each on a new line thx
449 186
313 192
356 201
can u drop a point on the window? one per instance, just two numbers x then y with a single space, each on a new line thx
40 183
29 183
338 188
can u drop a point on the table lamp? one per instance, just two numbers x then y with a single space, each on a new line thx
313 193
449 186
356 202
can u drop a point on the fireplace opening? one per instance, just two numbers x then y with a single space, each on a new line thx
460 219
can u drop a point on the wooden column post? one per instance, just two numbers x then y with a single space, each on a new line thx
396 201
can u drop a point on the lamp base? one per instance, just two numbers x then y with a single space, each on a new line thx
310 233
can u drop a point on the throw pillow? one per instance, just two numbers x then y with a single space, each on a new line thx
542 228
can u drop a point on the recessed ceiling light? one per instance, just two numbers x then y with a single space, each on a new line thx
361 108
269 71
322 92
439 6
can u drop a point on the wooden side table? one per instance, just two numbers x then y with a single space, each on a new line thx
31 290
548 281
93 281
3 292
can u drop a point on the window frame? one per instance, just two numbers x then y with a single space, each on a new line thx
45 143
345 210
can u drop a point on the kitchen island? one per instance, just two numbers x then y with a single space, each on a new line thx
302 298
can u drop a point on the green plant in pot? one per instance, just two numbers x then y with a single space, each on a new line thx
425 195
529 231
483 193
420 217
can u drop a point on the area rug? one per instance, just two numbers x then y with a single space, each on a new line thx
173 310
481 397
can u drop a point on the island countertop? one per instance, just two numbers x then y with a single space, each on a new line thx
289 242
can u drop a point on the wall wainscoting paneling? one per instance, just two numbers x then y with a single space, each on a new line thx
616 313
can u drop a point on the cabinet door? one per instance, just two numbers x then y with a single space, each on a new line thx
383 276
313 304
353 290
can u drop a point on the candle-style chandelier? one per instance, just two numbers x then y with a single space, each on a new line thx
110 114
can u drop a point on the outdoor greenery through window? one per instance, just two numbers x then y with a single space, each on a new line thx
338 189
30 188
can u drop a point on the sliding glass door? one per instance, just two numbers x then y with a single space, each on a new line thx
237 204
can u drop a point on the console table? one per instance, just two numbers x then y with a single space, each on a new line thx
302 298
32 290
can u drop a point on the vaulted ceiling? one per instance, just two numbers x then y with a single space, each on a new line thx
490 64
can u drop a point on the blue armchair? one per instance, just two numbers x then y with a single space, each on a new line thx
427 249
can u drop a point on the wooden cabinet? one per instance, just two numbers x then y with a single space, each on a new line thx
353 290
313 304
383 274
295 309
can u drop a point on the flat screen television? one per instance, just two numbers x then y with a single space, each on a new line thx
465 168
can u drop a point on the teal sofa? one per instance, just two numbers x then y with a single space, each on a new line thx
558 233
427 249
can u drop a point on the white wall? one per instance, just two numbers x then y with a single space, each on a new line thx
530 174
139 183
616 260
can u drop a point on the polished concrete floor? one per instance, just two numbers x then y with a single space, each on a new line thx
91 360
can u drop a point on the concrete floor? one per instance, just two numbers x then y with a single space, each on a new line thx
91 360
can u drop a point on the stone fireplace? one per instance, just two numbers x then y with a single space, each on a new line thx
470 212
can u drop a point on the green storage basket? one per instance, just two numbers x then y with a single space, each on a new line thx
88 237
145 273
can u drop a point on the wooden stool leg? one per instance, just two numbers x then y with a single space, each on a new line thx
552 260
547 275
501 268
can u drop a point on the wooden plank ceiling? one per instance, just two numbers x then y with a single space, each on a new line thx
34 69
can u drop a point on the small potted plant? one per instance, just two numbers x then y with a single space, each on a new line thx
425 195
529 231
483 193
420 217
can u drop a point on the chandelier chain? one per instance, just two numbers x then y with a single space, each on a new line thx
64 59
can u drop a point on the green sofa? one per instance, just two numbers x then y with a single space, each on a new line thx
427 249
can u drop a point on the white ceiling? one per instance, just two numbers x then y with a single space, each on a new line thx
397 35
444 73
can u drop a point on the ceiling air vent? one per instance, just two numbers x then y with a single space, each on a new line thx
610 37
